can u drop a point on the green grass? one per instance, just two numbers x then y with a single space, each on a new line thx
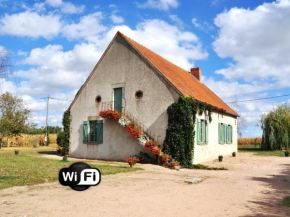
28 168
286 201
257 151
204 167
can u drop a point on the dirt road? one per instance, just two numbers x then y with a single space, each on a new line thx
253 186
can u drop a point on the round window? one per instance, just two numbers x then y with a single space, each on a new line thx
98 99
138 94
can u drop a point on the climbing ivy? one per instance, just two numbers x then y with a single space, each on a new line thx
180 134
66 129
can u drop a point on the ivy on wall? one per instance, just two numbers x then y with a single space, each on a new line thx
180 134
66 129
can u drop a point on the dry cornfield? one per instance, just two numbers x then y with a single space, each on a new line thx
26 140
250 141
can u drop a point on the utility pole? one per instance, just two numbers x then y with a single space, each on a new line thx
46 136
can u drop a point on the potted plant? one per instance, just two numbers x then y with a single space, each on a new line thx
16 151
164 158
175 165
220 158
234 154
151 145
132 161
133 130
286 153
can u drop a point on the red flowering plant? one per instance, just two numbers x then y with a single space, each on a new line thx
110 114
175 164
151 145
133 130
164 158
156 151
132 160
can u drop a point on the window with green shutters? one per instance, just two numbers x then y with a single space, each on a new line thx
225 133
93 131
202 131
85 132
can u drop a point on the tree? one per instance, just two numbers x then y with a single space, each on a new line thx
13 116
5 62
241 122
276 128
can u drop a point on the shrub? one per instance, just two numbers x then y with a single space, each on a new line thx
60 139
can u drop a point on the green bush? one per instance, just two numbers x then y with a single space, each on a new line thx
60 138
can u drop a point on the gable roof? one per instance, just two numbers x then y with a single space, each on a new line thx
181 79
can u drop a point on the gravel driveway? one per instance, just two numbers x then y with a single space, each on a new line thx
253 186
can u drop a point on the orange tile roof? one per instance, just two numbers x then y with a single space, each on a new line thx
186 83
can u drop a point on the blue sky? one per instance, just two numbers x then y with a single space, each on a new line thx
242 46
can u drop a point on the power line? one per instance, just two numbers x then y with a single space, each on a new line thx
34 99
60 99
250 100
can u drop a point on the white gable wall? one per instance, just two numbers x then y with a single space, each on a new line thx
121 67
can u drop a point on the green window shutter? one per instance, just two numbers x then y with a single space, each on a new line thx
206 131
100 131
225 133
85 132
231 134
220 133
198 131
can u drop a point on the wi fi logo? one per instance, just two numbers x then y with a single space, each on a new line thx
79 176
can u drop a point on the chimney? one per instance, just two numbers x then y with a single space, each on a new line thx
196 72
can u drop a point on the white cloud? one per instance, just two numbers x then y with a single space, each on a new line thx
258 42
179 47
66 7
30 24
57 70
195 23
89 26
117 19
176 19
204 26
21 53
159 4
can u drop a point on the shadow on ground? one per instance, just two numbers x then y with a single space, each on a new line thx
271 203
49 153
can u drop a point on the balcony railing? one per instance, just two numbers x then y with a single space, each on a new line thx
125 113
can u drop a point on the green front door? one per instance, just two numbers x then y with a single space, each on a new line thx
118 99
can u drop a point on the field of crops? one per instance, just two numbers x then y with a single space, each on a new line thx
250 141
26 140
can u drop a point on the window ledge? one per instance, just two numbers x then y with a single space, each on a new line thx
93 143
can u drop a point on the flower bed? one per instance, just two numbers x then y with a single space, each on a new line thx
110 114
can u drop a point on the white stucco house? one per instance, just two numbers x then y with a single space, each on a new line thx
138 82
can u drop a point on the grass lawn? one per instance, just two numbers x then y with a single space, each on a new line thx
257 151
28 168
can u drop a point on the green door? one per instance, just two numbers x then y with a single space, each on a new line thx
118 99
